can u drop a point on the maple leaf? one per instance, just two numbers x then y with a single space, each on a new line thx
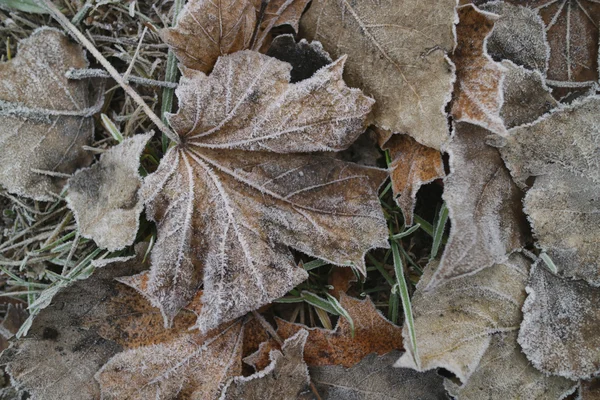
469 326
236 190
373 333
397 54
555 333
374 378
561 151
484 205
283 379
206 30
104 196
478 88
46 118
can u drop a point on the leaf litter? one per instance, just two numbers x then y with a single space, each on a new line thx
273 187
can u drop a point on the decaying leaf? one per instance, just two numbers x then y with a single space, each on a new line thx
305 58
561 151
484 206
478 88
397 54
469 324
45 117
236 191
283 379
206 30
340 279
104 196
373 333
14 317
519 35
374 378
559 332
589 390
412 166
505 373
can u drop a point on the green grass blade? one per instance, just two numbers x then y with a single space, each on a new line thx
549 263
318 302
407 232
438 233
341 311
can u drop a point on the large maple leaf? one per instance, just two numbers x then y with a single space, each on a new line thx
236 191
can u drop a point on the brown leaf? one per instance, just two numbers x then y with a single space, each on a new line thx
15 316
373 334
45 117
305 58
478 87
374 378
484 206
277 13
561 151
104 197
283 379
397 54
559 331
468 326
589 390
412 166
237 191
340 279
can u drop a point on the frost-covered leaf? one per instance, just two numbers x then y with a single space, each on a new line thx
397 54
559 332
519 35
505 373
45 118
589 390
304 57
484 206
374 378
412 166
283 379
562 151
104 197
206 30
237 190
477 94
373 333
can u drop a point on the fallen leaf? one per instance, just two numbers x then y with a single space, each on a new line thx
283 379
45 117
589 390
468 327
505 373
373 333
304 57
15 316
561 151
340 279
104 197
519 35
374 378
237 191
558 333
484 206
206 30
477 94
397 54
413 165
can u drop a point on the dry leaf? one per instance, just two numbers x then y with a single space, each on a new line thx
397 54
340 279
206 30
45 117
14 317
478 88
305 58
412 166
589 390
374 378
519 35
236 191
283 379
559 332
505 373
373 333
468 322
104 197
561 150
484 206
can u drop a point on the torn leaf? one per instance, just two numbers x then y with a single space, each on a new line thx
45 117
104 197
484 206
237 191
558 333
375 378
477 94
397 54
285 378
